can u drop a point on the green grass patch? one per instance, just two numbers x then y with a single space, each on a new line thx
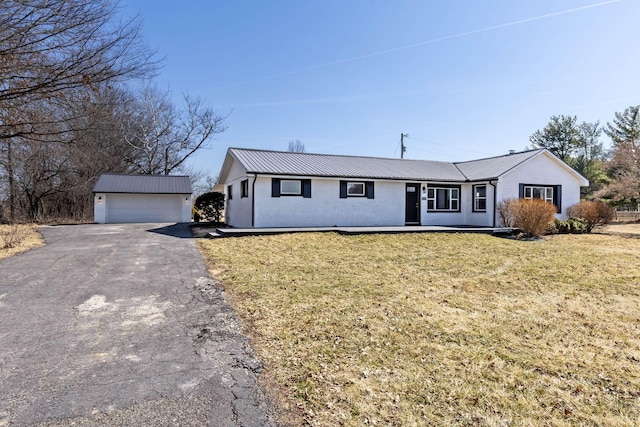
442 329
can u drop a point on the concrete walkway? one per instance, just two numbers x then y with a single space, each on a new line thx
238 232
121 325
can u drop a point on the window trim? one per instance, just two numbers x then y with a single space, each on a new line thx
244 188
477 198
556 193
361 194
305 188
291 193
433 200
369 189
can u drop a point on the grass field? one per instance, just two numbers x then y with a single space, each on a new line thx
17 238
441 329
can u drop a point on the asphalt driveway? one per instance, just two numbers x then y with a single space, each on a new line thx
121 325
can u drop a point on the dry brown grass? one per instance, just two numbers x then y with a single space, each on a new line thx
16 238
435 329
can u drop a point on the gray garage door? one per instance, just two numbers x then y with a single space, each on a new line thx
143 208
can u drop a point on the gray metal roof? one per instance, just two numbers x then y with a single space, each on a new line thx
493 167
149 184
306 164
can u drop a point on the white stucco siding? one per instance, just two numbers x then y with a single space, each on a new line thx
325 208
466 216
542 170
237 211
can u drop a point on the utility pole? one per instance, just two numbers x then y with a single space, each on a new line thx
402 146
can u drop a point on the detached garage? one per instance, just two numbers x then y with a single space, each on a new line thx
142 198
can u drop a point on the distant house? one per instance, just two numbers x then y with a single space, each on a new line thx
142 198
285 189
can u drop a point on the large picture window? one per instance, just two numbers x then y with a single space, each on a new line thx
444 199
479 198
548 193
543 193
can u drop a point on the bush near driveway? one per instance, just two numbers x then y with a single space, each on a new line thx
434 329
16 238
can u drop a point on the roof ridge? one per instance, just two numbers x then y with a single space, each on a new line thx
501 155
351 156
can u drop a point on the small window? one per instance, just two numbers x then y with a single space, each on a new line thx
355 189
480 198
244 188
229 192
443 199
290 188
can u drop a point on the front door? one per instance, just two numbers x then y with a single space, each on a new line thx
412 205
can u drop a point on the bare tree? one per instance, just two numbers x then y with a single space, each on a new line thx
624 165
48 48
296 146
163 137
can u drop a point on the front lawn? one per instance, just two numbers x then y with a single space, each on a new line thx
441 329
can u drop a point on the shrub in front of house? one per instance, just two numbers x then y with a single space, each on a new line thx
592 212
570 226
506 209
532 216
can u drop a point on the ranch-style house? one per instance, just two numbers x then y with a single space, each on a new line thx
287 189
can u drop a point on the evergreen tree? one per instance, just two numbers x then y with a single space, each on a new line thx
561 136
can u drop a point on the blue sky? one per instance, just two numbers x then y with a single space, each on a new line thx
464 79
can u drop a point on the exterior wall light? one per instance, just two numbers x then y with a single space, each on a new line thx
424 189
99 199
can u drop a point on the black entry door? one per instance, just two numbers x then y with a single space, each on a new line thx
412 206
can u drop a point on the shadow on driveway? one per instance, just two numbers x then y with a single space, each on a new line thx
181 230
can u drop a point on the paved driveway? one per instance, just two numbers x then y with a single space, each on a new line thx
121 325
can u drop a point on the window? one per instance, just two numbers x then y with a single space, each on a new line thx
244 188
543 193
291 187
443 199
479 198
229 192
356 189
548 193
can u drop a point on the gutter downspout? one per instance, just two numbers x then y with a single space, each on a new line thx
495 202
253 201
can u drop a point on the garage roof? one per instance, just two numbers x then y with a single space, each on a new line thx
147 184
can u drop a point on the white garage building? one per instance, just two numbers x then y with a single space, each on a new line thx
122 198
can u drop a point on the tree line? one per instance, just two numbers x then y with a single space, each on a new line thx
77 99
613 172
